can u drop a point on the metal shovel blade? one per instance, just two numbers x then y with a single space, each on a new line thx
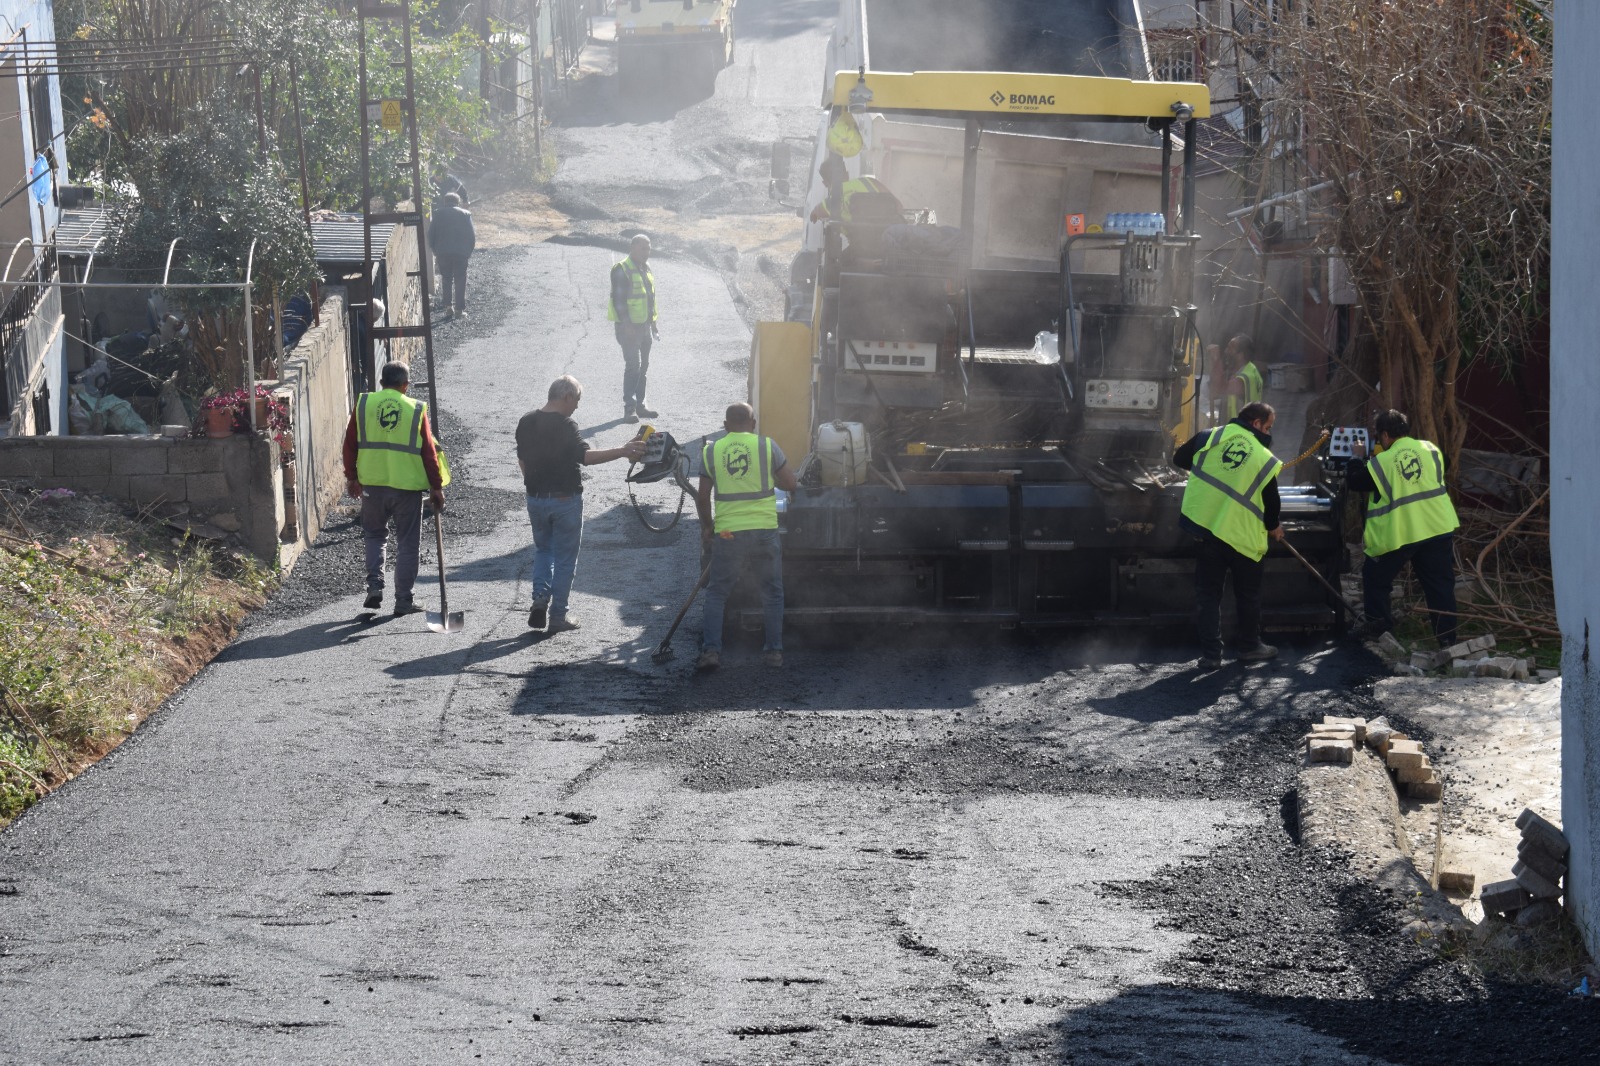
444 620
453 622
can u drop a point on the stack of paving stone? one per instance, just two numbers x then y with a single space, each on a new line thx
1533 894
1335 739
1467 659
1413 771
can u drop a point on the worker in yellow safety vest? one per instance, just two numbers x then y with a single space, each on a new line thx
390 460
842 189
1410 519
744 471
632 308
1243 383
1231 506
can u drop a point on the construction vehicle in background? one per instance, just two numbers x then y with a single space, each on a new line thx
671 42
988 370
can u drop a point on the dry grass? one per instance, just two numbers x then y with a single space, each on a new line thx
102 616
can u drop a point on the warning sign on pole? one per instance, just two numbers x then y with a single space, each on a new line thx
391 115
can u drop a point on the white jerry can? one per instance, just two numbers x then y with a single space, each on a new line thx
843 452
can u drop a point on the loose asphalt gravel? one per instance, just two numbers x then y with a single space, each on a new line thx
348 842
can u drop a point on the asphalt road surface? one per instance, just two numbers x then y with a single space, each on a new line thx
371 843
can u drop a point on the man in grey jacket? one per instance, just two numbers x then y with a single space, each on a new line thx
451 238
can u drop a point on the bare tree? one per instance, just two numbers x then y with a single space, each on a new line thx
1430 119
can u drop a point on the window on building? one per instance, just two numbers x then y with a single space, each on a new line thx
39 103
1172 56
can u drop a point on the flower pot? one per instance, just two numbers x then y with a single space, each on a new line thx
263 411
219 421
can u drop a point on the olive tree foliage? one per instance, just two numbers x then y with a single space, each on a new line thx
286 45
1431 119
208 187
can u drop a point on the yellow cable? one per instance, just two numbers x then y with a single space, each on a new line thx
1309 452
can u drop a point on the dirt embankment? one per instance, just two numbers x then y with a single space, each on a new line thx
103 615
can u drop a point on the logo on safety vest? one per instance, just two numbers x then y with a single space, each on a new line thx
736 460
389 414
1235 454
1411 466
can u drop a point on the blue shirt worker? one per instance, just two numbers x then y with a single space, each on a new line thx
1231 504
1410 519
744 470
632 309
390 460
551 455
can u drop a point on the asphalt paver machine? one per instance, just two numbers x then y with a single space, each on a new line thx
987 378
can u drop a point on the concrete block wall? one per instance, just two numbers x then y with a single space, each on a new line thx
234 483
405 292
1574 438
316 382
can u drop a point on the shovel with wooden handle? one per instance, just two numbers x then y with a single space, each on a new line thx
443 620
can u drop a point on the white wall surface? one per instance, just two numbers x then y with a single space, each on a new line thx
1574 442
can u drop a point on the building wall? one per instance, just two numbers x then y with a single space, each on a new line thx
1574 441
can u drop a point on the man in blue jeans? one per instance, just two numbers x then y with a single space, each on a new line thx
745 470
551 453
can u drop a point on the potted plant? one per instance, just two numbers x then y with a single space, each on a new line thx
225 413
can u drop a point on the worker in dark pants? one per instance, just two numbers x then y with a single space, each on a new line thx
390 462
1410 519
744 470
1231 505
452 238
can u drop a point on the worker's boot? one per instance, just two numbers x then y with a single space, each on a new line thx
405 607
709 659
645 412
1260 653
537 614
373 601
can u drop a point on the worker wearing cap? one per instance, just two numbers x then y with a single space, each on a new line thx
390 460
1410 519
1231 504
1244 383
744 471
633 310
843 188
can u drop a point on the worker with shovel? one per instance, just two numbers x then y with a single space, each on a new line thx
390 460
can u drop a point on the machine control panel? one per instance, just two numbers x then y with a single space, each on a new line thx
1341 439
1112 394
893 357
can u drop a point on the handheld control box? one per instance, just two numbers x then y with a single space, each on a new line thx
1343 437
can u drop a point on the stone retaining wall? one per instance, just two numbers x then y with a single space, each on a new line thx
232 484
316 383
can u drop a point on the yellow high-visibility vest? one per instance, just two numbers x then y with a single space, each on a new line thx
389 440
1226 481
641 294
1412 502
740 465
1253 388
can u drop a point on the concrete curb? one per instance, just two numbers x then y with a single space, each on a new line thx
1355 810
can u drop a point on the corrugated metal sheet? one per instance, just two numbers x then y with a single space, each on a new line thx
337 241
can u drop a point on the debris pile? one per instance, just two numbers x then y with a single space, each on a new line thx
1532 896
1466 659
1334 740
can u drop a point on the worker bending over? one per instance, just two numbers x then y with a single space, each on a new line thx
1231 505
1410 519
745 470
390 460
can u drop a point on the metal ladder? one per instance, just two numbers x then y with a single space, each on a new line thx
384 114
